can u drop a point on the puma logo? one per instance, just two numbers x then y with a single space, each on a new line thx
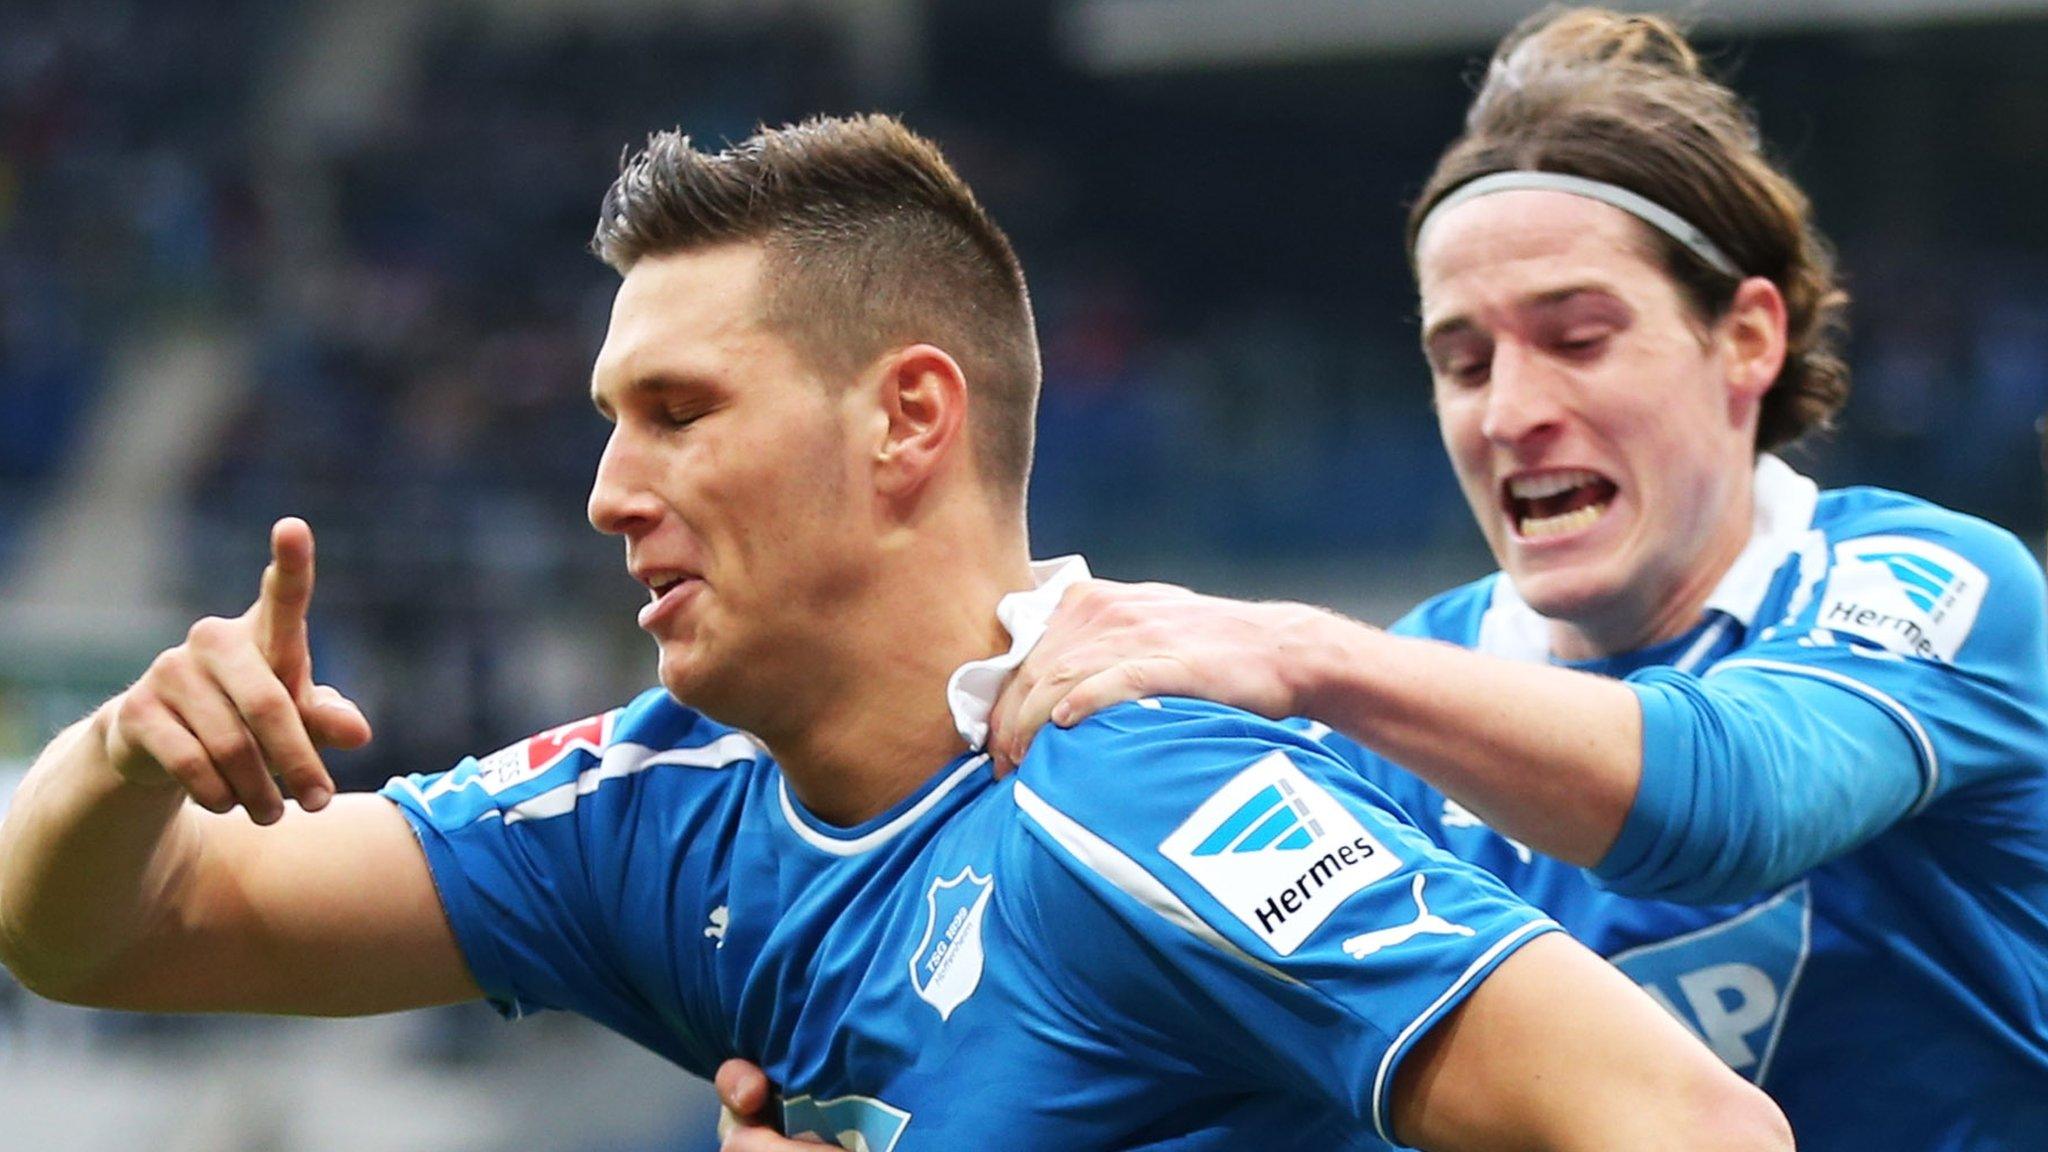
1426 923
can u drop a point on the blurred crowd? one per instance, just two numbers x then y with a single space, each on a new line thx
124 201
1215 255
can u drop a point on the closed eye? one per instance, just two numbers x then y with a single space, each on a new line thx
1465 373
1582 344
1459 355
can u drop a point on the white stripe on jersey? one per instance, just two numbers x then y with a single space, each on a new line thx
1106 861
1381 1121
622 760
1705 645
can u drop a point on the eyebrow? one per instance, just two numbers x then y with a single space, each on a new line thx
658 383
1541 301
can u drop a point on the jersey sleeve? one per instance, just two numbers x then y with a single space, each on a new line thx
1320 930
540 852
1908 669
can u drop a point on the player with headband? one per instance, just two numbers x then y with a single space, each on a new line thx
1797 738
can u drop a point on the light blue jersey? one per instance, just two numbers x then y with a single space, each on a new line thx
1177 926
1836 871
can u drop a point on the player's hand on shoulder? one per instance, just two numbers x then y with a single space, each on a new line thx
1109 643
235 705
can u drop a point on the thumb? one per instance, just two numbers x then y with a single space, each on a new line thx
333 720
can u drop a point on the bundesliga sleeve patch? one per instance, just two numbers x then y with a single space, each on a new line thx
534 755
1904 594
1277 850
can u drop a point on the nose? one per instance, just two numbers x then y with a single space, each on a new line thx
621 502
1522 396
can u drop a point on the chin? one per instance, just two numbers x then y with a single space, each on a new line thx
678 674
1570 595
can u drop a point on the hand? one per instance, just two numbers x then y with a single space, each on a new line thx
235 704
1109 643
746 1121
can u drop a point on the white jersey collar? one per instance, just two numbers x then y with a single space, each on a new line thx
1784 506
972 690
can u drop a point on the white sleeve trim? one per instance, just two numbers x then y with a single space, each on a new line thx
1930 763
1131 878
622 760
1382 1122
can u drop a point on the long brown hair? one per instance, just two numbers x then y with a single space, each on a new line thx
1624 100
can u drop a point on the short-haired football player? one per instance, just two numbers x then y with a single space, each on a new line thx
820 372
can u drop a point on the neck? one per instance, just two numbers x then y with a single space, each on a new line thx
877 724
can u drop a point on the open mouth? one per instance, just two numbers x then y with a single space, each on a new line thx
665 594
1549 504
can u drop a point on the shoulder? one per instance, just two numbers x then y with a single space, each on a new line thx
1903 571
1153 752
1850 513
1453 615
1173 780
607 756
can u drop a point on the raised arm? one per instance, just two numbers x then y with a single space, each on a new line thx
125 882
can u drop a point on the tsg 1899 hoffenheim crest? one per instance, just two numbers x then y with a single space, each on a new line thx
946 968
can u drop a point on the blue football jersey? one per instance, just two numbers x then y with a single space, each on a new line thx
1176 926
1836 870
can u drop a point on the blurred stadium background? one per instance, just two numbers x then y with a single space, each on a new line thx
326 258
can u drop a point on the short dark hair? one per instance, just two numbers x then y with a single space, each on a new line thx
872 242
1624 100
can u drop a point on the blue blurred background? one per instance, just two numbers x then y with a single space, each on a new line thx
328 259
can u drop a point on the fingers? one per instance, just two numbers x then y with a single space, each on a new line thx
279 620
1031 697
747 1120
235 705
1121 641
231 754
269 720
146 729
280 610
1080 689
1007 737
333 720
742 1087
211 716
1120 684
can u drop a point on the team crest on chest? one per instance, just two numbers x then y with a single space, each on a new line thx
946 967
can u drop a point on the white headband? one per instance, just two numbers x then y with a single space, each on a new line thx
1641 207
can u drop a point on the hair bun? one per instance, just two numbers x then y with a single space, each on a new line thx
1595 37
1556 49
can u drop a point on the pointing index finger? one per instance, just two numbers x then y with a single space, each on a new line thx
287 593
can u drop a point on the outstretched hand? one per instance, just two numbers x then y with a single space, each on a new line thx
1109 643
236 704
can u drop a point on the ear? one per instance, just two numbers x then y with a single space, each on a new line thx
1753 335
923 405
